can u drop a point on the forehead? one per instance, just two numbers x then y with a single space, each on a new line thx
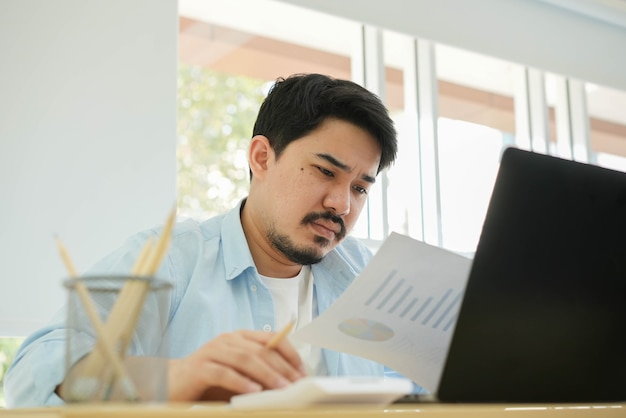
344 141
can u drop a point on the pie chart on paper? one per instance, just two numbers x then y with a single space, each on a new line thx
365 329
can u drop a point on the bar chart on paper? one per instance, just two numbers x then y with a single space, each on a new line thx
395 296
400 311
397 300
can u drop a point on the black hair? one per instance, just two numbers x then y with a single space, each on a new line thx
297 105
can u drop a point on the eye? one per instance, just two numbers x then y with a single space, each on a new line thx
360 189
325 172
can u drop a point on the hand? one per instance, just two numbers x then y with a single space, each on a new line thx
233 363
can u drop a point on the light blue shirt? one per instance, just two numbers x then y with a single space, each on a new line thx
215 289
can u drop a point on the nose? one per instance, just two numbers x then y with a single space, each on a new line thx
338 200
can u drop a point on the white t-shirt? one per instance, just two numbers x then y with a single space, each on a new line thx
293 300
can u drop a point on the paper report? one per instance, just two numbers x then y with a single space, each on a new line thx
400 311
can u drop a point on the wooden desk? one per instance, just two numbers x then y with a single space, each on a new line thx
209 410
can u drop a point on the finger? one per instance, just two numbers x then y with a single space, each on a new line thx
288 361
259 364
218 375
284 347
192 376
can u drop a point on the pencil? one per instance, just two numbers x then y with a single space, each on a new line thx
123 317
104 344
276 339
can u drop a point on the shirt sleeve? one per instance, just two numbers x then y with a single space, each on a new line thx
38 368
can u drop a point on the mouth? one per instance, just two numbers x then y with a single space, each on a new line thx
327 231
326 226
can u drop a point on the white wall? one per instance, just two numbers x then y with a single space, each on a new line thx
87 139
582 39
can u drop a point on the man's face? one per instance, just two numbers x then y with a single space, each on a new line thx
315 191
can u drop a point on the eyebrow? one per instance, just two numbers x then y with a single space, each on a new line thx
343 167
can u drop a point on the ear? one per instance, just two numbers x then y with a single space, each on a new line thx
260 154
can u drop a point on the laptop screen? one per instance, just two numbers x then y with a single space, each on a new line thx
544 312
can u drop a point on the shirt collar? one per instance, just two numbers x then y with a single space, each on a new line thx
237 256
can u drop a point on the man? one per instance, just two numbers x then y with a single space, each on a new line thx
282 253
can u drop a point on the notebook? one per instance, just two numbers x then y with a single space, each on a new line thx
543 318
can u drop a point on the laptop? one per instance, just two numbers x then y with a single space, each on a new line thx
543 317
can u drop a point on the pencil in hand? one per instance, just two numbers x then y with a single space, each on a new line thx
277 338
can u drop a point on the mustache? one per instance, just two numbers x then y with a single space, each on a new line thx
312 217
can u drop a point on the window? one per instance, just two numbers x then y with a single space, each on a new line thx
455 111
607 125
476 122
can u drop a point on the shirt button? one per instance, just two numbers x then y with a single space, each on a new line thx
267 327
253 288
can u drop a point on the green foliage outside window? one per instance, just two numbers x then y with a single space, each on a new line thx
8 348
216 113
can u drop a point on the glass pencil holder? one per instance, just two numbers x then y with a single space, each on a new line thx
117 347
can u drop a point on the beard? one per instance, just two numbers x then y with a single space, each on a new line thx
301 254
